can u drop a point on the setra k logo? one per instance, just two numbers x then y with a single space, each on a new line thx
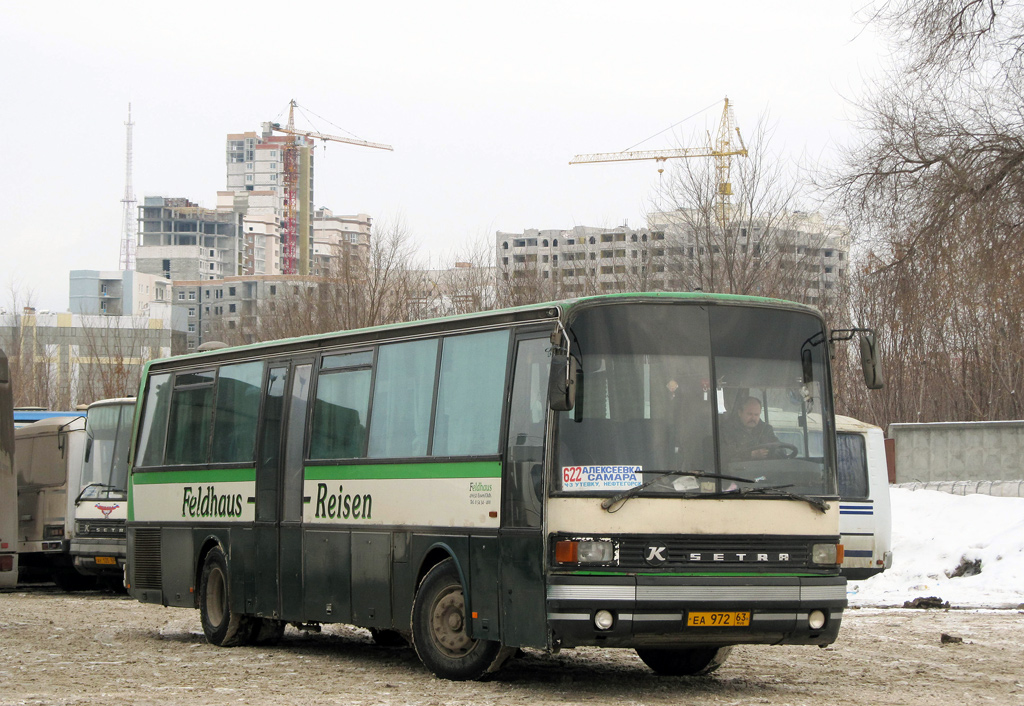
106 509
655 554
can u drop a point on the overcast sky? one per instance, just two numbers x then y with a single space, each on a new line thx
485 106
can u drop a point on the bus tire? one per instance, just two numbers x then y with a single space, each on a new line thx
684 662
439 628
221 625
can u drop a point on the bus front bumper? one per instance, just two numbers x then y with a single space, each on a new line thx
655 611
99 557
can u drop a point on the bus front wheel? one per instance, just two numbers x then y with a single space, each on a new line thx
689 662
221 625
439 628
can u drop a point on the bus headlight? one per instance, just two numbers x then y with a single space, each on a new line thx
589 552
816 620
603 620
827 554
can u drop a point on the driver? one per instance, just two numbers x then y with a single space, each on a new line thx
744 435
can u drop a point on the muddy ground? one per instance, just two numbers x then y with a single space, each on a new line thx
93 648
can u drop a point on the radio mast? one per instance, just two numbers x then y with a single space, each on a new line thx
129 228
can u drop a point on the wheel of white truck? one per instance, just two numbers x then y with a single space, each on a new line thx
439 628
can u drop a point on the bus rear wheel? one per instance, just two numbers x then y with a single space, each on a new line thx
439 628
688 662
221 625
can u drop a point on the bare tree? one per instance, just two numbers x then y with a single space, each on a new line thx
33 364
936 190
111 356
762 242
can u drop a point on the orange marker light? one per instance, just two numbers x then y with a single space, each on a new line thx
566 552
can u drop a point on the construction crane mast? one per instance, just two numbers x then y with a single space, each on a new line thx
290 226
721 148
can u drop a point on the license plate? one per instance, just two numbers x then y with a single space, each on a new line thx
718 620
106 560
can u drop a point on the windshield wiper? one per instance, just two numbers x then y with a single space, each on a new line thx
93 485
779 491
620 498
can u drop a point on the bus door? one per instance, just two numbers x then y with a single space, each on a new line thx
521 538
279 476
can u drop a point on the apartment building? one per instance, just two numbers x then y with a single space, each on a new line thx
812 252
212 309
672 254
116 293
340 243
180 240
259 162
584 259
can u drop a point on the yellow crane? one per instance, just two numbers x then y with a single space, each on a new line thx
721 149
290 130
290 242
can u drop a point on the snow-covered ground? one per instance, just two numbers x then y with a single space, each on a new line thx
933 534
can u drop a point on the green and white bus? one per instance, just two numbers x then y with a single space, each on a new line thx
549 477
8 481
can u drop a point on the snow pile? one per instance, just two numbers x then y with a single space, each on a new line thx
938 540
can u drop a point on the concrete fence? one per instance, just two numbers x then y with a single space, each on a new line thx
1001 488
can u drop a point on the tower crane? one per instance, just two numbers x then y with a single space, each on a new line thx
290 230
720 148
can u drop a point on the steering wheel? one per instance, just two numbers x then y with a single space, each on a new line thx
777 449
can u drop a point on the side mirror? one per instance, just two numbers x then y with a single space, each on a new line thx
88 449
870 361
562 385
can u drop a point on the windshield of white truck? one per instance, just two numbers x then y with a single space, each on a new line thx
108 435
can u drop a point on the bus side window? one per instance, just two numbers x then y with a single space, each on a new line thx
403 395
852 465
238 404
188 433
469 398
154 421
339 414
526 434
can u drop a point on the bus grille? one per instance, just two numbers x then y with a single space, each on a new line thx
146 559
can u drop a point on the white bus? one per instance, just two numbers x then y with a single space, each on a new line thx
551 476
8 481
101 502
865 515
48 459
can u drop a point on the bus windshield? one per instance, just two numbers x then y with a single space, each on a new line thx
108 436
715 399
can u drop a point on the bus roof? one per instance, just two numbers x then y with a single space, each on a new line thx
522 314
113 401
23 417
51 425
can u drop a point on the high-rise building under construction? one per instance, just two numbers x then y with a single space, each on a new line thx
280 166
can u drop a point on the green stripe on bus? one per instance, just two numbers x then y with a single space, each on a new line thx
468 469
220 475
